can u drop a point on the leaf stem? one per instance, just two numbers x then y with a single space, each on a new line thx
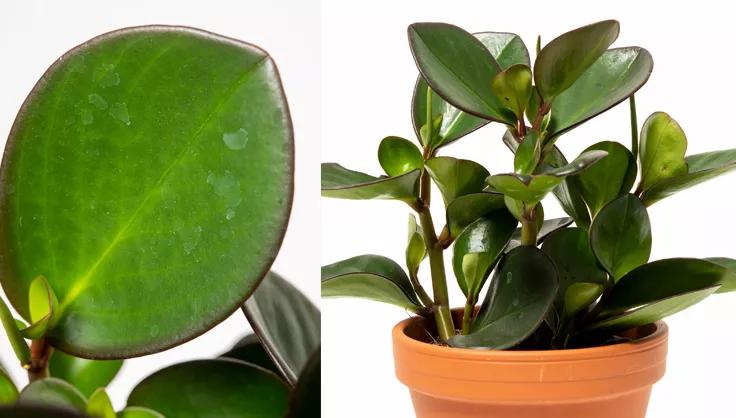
634 128
529 228
468 316
423 296
40 354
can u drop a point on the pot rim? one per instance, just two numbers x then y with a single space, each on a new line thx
656 338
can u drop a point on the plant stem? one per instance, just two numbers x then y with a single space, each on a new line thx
40 353
634 127
468 316
423 296
529 228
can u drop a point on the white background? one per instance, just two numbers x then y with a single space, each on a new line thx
34 33
368 75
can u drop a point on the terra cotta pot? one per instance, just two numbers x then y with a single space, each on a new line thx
612 381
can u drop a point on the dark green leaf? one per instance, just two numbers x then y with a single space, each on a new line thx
458 67
398 156
85 375
514 87
305 398
416 249
621 236
53 392
662 147
486 237
138 412
568 192
456 177
162 156
39 411
617 74
222 388
728 283
466 209
561 62
286 322
522 292
700 167
610 178
341 183
371 277
250 350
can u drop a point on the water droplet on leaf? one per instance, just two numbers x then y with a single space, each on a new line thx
97 101
120 112
236 140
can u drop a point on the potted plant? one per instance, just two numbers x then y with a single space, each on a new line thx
570 323
145 191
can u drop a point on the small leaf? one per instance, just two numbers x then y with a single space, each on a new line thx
139 412
487 237
458 67
12 330
371 277
700 168
456 177
580 295
561 62
466 209
213 389
416 249
8 390
662 147
304 401
522 292
286 322
398 156
86 375
621 236
53 392
99 405
341 183
514 87
610 178
250 350
528 154
41 305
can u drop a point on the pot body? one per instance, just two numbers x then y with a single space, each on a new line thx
612 381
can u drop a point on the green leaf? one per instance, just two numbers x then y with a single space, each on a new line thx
580 295
561 62
305 398
86 375
531 189
163 155
728 284
621 236
8 390
508 49
568 192
522 292
662 147
221 388
286 322
42 303
617 74
398 156
53 392
341 183
371 277
138 412
458 67
570 252
416 249
700 167
528 154
250 350
456 177
466 209
655 311
663 279
610 178
39 411
100 406
486 238
12 330
514 87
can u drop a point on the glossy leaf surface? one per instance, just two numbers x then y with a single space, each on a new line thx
611 177
522 292
466 209
662 147
398 156
486 237
456 177
85 375
221 388
528 154
341 183
416 248
305 398
53 392
568 192
250 350
514 87
100 405
137 154
371 277
458 67
621 235
286 322
580 295
561 62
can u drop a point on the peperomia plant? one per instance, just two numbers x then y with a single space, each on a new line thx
553 284
146 188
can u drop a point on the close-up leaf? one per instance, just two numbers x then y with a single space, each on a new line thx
138 412
250 350
416 248
53 392
621 235
456 177
222 388
86 375
149 186
8 390
568 192
580 295
662 146
15 338
287 323
466 209
610 178
522 292
371 277
528 154
341 183
728 283
398 156
99 405
514 87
